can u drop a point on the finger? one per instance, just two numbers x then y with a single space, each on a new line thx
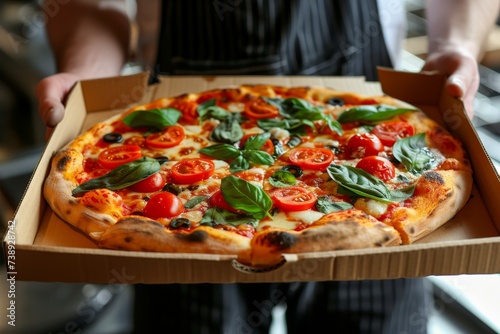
50 96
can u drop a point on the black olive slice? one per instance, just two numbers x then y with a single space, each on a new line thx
113 137
294 169
180 222
335 101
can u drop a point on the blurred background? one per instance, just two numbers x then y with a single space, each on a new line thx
463 304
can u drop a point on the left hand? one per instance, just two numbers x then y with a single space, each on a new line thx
461 68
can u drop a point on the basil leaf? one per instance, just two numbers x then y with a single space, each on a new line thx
216 215
191 203
287 124
324 204
209 109
122 176
228 131
413 153
257 141
155 118
239 164
282 178
399 195
245 196
258 157
371 113
299 109
221 151
360 182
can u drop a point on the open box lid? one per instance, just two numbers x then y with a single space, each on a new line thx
49 250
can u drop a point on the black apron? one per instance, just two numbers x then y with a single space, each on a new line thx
266 37
261 37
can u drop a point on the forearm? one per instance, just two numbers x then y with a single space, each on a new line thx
460 23
89 40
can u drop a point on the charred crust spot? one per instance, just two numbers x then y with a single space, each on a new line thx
385 240
280 240
68 212
61 164
412 230
433 177
196 236
72 202
128 239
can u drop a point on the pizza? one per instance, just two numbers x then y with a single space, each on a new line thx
258 171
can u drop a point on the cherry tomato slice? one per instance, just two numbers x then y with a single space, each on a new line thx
189 110
267 147
218 200
163 205
258 108
390 132
192 170
118 155
363 145
378 166
293 199
311 158
169 137
150 184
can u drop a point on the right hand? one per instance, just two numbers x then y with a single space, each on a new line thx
51 93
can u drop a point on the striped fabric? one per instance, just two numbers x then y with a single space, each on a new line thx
314 37
277 37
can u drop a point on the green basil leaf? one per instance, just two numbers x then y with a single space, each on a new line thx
257 141
209 109
360 182
333 124
221 151
282 178
228 131
258 157
216 215
122 176
413 153
191 203
399 195
239 164
287 124
155 118
325 205
371 113
245 196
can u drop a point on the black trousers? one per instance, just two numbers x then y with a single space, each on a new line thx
382 306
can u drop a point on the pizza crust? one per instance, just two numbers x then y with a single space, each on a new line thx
350 229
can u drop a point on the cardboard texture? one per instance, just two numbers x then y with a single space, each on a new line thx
48 249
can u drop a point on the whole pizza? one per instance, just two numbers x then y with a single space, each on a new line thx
259 171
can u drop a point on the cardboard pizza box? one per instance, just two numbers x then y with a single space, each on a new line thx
44 248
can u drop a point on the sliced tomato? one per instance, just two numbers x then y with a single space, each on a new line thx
293 199
218 200
214 94
267 147
363 145
259 108
171 136
163 205
378 166
189 110
118 155
390 132
135 140
311 158
192 170
150 184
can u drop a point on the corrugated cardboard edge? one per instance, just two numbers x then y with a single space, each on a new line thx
45 263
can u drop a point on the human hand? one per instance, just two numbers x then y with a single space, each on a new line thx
51 93
461 68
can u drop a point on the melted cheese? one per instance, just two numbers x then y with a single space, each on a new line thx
290 220
371 207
